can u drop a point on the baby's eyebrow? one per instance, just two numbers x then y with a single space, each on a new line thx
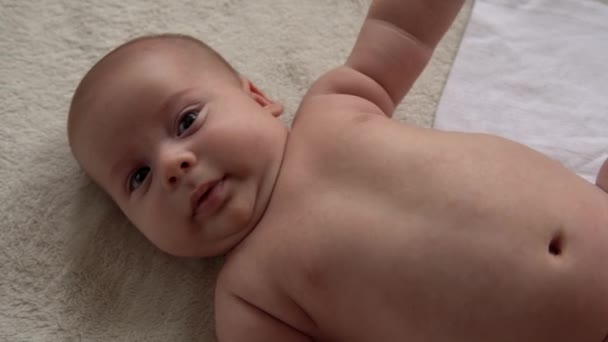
171 101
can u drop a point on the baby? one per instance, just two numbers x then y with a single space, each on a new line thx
350 226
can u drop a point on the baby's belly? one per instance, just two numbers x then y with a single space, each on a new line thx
506 254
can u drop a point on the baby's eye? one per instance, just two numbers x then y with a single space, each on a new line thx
186 121
137 178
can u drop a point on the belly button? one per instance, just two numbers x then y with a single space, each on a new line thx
556 245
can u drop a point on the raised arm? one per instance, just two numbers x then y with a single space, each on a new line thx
395 44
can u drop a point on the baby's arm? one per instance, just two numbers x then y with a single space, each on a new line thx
239 321
395 43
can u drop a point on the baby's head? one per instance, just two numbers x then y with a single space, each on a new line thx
187 148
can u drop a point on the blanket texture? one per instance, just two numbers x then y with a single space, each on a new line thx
71 267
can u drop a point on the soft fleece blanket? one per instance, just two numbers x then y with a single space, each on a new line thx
71 267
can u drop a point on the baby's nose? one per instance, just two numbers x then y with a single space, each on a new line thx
176 167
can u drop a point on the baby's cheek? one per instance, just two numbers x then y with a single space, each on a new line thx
240 210
149 220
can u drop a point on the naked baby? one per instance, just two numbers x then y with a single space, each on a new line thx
349 226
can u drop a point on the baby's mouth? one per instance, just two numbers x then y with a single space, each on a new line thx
207 198
205 195
202 193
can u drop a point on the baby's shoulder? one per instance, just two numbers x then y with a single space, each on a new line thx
339 96
249 293
332 120
347 81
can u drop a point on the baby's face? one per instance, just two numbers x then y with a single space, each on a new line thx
189 155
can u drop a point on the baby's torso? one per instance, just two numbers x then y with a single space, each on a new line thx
388 232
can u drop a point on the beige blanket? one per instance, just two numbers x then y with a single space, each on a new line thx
71 267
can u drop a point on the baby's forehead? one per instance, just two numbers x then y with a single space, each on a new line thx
103 140
185 52
142 59
126 71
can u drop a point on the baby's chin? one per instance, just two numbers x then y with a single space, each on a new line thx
196 247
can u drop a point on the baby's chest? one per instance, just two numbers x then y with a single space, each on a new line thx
394 231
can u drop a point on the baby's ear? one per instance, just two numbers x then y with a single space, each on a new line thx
602 177
273 107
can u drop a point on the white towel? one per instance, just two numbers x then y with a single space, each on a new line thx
535 71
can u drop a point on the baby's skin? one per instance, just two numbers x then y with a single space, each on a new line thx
350 226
